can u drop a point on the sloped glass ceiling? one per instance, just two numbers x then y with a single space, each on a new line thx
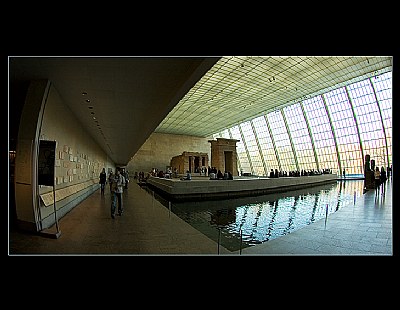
239 88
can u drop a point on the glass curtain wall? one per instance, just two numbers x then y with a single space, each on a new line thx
334 130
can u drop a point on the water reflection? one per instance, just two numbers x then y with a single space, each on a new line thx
262 218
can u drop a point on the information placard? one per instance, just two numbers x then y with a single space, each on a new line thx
46 161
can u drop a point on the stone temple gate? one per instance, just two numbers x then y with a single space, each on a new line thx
223 155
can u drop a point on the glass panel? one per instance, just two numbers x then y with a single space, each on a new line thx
265 142
282 142
321 131
241 151
346 131
344 125
300 137
383 90
252 148
370 125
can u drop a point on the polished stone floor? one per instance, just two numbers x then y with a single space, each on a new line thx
148 228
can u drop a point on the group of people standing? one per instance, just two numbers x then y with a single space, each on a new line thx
117 181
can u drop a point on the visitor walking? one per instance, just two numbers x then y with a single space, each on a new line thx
110 179
103 180
383 178
117 188
377 176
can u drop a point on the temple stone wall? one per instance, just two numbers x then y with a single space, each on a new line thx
189 161
223 155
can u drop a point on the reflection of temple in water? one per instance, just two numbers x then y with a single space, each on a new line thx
192 161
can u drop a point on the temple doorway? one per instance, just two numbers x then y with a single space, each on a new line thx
229 161
223 155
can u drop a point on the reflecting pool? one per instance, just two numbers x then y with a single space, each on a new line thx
243 222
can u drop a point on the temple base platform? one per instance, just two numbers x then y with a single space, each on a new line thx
202 188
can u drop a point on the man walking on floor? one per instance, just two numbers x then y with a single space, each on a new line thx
117 188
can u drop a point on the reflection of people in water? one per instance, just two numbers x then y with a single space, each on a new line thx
223 217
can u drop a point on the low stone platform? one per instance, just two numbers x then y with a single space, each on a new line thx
203 188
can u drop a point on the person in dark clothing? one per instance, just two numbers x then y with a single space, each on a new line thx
117 188
110 178
125 174
383 178
271 174
377 176
103 180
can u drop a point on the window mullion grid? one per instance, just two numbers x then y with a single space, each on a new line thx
333 133
310 134
273 143
238 164
383 127
247 150
259 148
357 127
290 139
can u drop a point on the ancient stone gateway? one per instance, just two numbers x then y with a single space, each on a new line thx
223 155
